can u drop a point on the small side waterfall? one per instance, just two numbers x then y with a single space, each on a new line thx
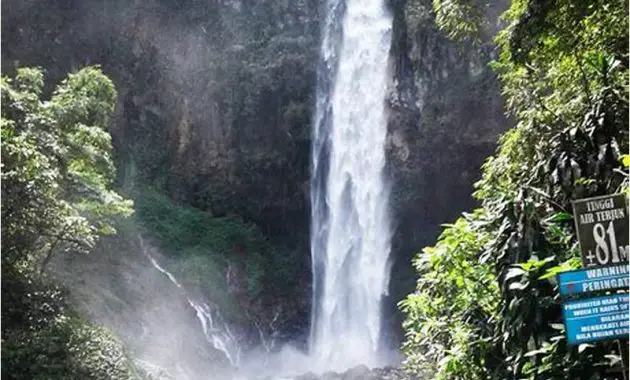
350 233
216 332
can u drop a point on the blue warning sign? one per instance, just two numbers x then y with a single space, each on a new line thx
596 318
594 279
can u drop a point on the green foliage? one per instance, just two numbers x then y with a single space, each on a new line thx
204 247
52 343
56 164
228 260
56 195
455 305
563 67
460 19
181 228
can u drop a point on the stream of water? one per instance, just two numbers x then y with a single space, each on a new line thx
350 236
216 332
350 223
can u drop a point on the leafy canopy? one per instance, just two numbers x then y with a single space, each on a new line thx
57 169
486 304
57 174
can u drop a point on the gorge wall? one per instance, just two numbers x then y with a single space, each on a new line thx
215 105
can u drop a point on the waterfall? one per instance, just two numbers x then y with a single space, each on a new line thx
350 231
216 332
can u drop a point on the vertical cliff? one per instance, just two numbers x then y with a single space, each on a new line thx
216 100
446 114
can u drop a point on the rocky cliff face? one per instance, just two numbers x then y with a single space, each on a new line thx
216 99
214 96
446 115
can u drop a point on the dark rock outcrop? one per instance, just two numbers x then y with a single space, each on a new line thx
445 116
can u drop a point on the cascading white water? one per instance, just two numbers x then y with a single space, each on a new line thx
350 236
216 333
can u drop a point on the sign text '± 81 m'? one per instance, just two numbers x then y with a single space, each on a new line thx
602 225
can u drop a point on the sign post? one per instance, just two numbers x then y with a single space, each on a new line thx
602 230
623 352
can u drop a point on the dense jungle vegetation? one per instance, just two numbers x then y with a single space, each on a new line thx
57 195
486 306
